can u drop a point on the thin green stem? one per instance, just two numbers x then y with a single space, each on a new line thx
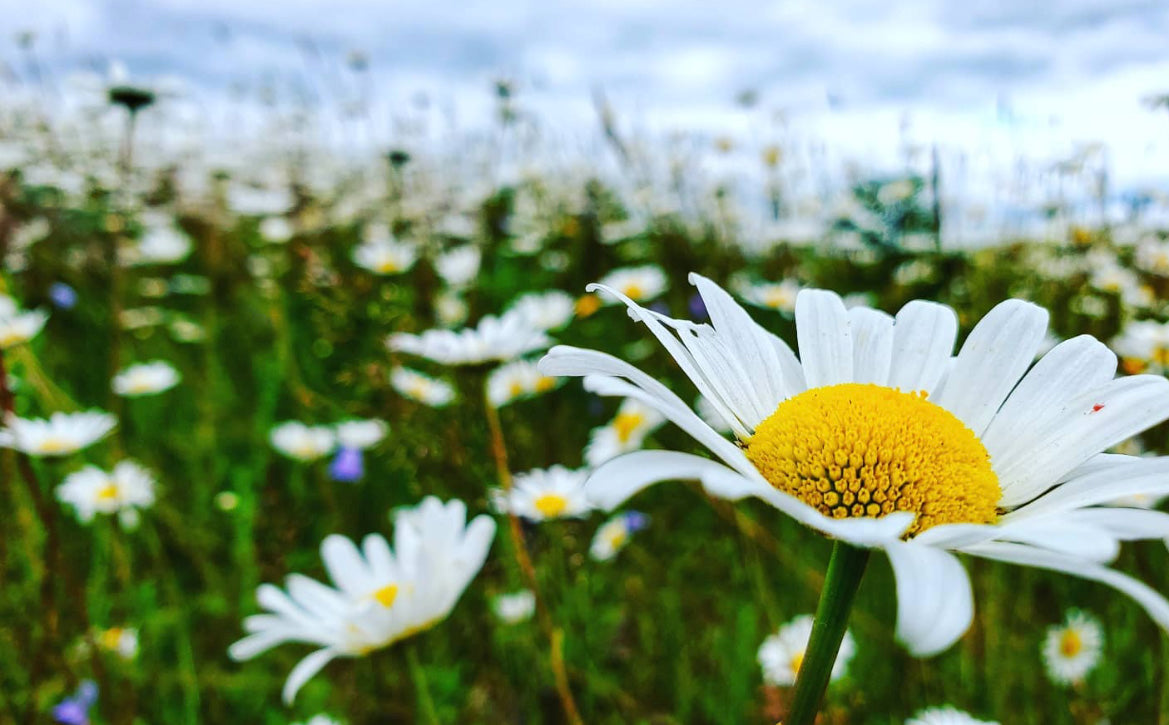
421 687
845 570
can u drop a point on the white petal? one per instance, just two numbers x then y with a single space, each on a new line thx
872 345
1065 535
823 337
935 604
1150 600
623 477
304 671
1104 478
997 352
923 340
1123 523
345 566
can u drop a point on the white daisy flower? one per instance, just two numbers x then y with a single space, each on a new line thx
320 720
17 327
1143 345
122 641
779 296
640 284
361 434
161 243
146 379
276 230
421 388
614 534
515 607
545 494
450 308
626 432
782 653
301 442
546 311
945 716
1111 277
1152 255
493 339
122 491
515 380
385 256
984 454
379 595
1072 649
59 435
458 266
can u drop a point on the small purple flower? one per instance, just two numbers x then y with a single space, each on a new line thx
635 521
698 308
75 710
63 296
348 466
660 307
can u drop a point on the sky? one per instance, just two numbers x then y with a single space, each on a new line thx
991 76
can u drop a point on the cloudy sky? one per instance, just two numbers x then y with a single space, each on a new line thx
1039 76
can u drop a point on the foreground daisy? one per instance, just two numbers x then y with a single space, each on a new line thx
515 380
493 339
379 595
421 388
301 442
782 653
545 494
876 437
60 435
945 716
1072 649
122 491
146 379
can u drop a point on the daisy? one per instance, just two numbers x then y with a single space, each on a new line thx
493 339
385 256
146 379
782 653
320 720
640 284
876 437
1072 649
161 243
122 641
515 607
626 432
945 716
421 388
276 230
1152 255
613 535
301 442
122 491
1143 345
379 595
780 296
17 327
545 494
59 435
546 311
515 380
459 266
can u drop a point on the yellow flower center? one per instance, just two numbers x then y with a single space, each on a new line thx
617 538
386 595
626 424
780 299
516 389
108 492
55 444
587 305
1070 643
387 266
551 505
796 661
633 291
543 385
8 338
855 450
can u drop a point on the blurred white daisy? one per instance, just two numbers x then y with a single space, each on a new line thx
122 641
276 229
782 653
614 534
450 308
493 339
458 266
385 256
545 494
517 379
17 326
780 296
320 720
945 716
60 435
379 595
421 388
122 491
361 434
626 432
1072 649
1002 459
301 442
1143 345
547 311
515 607
640 284
161 243
1152 255
146 379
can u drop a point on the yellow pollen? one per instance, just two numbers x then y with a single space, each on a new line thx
854 450
626 424
386 595
516 389
1132 365
587 305
110 638
543 385
1161 356
617 538
551 505
108 492
633 291
1070 643
777 298
10 338
55 444
387 266
796 661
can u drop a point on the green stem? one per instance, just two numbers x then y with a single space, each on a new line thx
845 570
425 703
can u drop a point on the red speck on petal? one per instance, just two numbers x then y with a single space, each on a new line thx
1097 407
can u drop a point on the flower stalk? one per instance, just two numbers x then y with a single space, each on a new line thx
845 570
